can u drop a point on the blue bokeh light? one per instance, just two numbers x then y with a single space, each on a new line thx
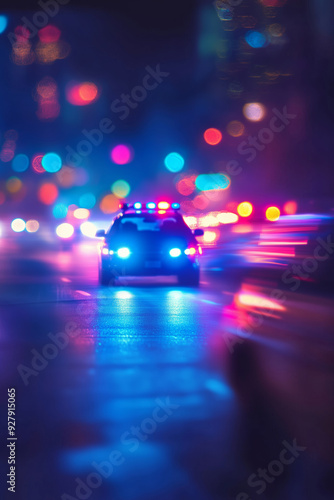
211 182
3 23
59 211
51 162
20 163
255 39
174 162
87 200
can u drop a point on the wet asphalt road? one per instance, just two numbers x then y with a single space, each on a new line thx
132 393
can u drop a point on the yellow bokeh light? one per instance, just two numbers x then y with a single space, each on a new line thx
245 209
273 213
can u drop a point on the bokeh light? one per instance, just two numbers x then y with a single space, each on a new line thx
109 204
174 162
121 154
290 208
32 226
87 200
36 163
273 213
200 202
88 229
3 23
65 230
13 185
254 111
210 236
49 34
186 185
245 209
256 39
51 162
235 128
59 211
20 163
81 94
212 136
18 225
120 188
81 213
66 176
48 193
217 181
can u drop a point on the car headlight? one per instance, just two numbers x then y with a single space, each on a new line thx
123 253
175 252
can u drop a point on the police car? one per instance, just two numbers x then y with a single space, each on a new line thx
149 239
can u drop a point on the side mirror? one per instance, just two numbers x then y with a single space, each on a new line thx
100 233
198 232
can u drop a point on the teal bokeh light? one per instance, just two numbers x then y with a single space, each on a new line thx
211 182
51 162
174 162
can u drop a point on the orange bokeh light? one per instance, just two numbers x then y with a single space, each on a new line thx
81 94
109 204
290 208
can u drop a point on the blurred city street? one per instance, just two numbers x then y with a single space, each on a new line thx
127 350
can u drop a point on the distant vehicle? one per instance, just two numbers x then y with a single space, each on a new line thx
149 240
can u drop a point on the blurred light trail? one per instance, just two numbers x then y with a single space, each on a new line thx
258 301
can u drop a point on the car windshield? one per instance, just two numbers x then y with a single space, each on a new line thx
148 223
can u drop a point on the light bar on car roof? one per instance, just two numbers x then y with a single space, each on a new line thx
151 205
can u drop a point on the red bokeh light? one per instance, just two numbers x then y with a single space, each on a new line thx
36 163
49 34
81 94
48 193
212 136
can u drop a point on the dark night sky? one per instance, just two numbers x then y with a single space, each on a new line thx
112 44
